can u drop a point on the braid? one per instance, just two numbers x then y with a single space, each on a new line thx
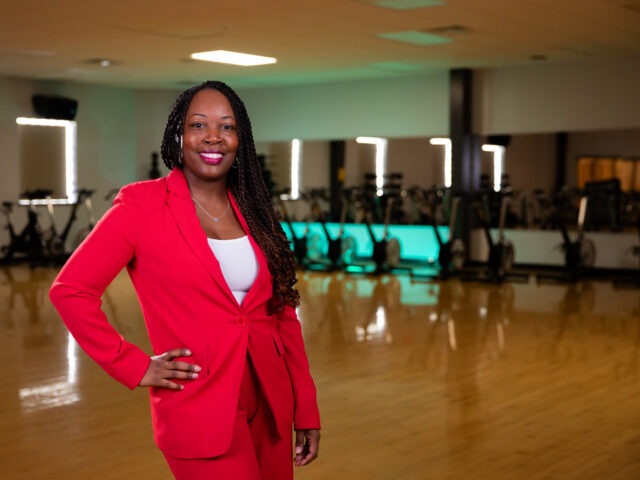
248 187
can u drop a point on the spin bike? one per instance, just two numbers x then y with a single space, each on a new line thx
28 244
341 249
579 254
632 280
306 248
501 252
451 251
386 250
55 242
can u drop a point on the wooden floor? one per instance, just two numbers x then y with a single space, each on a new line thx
416 381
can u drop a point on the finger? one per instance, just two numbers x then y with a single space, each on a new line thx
176 352
185 367
171 385
310 455
300 436
176 369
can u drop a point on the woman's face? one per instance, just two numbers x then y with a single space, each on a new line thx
210 138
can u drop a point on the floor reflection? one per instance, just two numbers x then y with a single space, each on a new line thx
444 379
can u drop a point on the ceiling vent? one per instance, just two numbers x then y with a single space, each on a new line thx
448 31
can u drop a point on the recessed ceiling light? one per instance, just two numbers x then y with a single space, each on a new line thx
101 62
233 58
415 37
398 67
405 4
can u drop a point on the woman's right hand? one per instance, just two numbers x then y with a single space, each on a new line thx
162 368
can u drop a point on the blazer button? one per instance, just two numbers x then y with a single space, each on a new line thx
240 321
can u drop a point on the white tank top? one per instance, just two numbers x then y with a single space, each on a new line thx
238 264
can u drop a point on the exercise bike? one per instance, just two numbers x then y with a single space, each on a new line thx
501 251
28 244
340 251
386 250
579 254
632 280
451 250
55 243
307 248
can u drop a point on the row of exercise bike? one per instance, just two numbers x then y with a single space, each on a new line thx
338 250
335 248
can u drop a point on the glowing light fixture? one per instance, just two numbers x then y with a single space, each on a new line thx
381 159
296 158
498 163
233 58
446 143
71 161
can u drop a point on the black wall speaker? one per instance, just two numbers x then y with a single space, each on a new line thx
503 140
52 106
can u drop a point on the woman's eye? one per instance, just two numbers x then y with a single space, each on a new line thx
228 127
197 124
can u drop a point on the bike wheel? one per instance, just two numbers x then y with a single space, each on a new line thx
457 254
315 247
506 264
393 252
587 252
348 250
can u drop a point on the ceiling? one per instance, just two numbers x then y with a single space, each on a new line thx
149 41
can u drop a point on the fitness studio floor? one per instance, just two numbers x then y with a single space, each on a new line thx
416 381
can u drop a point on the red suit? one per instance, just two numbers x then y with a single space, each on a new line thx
153 230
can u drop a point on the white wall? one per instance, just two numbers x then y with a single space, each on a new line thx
542 98
152 108
403 107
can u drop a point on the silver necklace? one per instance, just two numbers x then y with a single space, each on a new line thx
215 219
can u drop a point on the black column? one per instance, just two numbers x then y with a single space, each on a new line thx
336 177
465 160
561 161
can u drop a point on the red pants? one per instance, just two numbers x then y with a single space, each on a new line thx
256 451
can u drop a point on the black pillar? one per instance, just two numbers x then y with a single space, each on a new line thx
336 177
465 154
561 161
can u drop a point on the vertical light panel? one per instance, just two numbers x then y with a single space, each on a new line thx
446 143
498 163
71 162
296 159
381 159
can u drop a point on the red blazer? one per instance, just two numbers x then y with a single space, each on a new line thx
153 230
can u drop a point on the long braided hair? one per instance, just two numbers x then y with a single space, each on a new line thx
248 187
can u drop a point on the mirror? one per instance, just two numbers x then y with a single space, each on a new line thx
48 156
529 161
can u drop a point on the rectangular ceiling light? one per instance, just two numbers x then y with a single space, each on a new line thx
407 4
415 37
233 58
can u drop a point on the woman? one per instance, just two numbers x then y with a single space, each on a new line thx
214 275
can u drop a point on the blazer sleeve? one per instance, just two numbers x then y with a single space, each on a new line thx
77 290
306 415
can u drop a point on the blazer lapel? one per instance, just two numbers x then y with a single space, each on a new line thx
261 290
181 207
